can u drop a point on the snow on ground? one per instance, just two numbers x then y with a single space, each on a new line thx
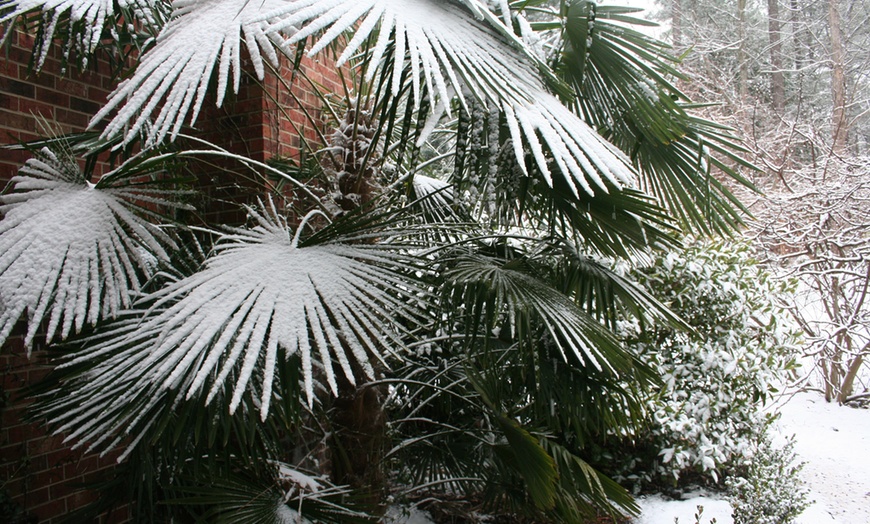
834 442
657 510
407 515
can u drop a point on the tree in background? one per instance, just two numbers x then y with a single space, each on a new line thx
428 314
807 124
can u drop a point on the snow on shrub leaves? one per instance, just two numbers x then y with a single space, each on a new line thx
707 418
770 490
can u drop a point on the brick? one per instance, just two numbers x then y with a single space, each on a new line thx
33 497
16 87
98 95
83 106
15 122
71 118
8 68
19 56
9 102
44 79
70 87
52 97
50 508
80 499
36 108
47 477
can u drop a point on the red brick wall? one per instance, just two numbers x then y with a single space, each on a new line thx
42 476
37 471
66 102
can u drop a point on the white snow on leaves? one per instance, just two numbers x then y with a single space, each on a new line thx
451 49
260 297
175 74
92 13
69 253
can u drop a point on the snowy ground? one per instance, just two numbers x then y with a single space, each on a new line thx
834 442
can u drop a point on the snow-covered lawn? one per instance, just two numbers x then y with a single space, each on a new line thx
834 442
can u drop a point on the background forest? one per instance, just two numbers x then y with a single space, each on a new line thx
514 277
792 77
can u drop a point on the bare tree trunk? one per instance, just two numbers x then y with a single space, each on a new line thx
742 60
839 126
797 32
677 23
849 379
777 79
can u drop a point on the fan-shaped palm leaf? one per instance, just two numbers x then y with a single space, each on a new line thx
82 21
220 331
492 288
623 78
449 51
292 497
71 252
176 73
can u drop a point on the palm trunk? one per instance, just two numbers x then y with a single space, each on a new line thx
359 441
358 416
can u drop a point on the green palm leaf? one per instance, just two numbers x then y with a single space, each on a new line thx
488 288
263 296
624 82
72 252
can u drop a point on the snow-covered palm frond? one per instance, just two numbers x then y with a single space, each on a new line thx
451 49
71 252
435 197
87 19
176 73
262 296
455 52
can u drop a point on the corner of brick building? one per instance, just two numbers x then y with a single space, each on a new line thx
38 473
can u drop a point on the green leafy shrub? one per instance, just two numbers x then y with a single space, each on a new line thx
706 419
770 490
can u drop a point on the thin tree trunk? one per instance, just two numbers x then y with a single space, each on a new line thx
777 79
849 379
677 23
742 60
839 126
799 34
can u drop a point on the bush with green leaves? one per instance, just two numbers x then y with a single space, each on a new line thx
707 417
769 490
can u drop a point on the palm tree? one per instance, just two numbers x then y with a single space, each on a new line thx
440 323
